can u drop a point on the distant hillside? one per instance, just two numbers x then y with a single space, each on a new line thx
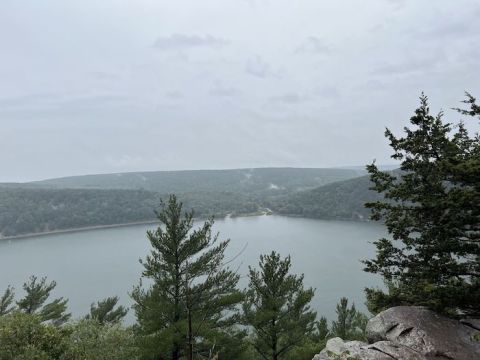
343 200
26 210
252 181
84 201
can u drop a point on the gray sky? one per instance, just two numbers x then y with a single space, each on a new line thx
109 86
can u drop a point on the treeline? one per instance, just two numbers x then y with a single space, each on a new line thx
30 210
34 210
92 200
24 211
343 200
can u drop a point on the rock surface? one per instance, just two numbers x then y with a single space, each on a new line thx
410 333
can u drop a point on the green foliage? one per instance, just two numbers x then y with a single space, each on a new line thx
350 323
105 313
342 200
323 332
277 308
6 301
32 210
24 336
94 200
89 339
193 297
378 300
37 293
432 211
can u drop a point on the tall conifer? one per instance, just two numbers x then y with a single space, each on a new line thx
431 208
189 309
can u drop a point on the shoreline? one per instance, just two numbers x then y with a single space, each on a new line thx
111 226
79 229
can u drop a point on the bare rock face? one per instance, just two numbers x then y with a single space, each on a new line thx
410 333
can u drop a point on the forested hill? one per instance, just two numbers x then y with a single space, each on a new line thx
343 200
83 201
256 181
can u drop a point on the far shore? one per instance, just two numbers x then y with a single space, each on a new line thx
72 230
227 216
98 227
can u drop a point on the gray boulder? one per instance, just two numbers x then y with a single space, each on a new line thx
410 333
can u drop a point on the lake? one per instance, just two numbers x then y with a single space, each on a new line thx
90 265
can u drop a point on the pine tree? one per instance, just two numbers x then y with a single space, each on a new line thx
277 307
350 323
105 313
6 301
431 208
190 309
37 293
322 329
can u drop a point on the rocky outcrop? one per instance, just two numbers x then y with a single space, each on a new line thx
410 333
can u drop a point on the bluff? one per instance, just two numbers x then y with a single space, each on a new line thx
410 333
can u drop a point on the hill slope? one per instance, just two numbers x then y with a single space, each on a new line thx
83 201
252 181
343 200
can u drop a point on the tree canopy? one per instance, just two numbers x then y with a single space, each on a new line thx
277 307
190 308
432 212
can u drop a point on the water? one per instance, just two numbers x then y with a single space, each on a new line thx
91 265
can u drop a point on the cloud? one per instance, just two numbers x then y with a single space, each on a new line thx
260 68
410 66
102 75
399 4
313 45
290 98
53 102
327 92
444 30
222 91
181 41
174 95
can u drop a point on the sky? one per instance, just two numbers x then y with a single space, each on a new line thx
142 85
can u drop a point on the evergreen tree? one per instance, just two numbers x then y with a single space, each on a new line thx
277 307
105 313
6 301
431 208
350 324
190 309
37 293
322 329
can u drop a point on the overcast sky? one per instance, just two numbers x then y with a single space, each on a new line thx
113 85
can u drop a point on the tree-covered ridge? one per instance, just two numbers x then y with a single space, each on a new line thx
95 200
342 200
253 181
24 211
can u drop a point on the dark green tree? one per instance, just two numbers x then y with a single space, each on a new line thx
6 301
37 293
322 329
431 208
277 308
104 311
350 323
191 306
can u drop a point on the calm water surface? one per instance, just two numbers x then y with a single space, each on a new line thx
91 265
